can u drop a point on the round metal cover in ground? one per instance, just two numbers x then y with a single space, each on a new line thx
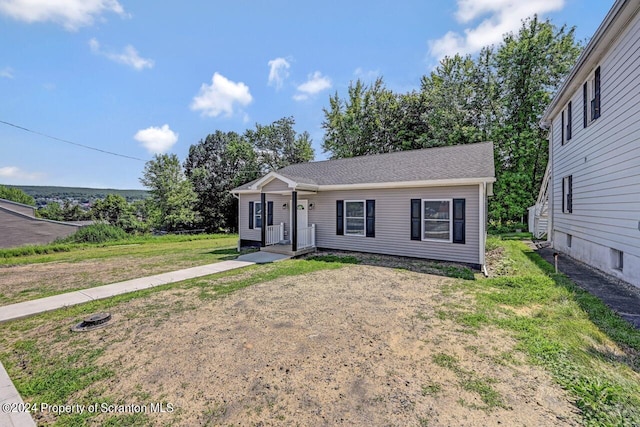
94 321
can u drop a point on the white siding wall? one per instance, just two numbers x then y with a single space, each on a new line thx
604 160
392 222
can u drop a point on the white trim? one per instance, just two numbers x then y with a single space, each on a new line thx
405 184
364 218
374 185
422 220
270 177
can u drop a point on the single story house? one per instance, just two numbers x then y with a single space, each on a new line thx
429 203
592 194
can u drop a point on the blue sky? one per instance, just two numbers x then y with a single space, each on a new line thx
137 78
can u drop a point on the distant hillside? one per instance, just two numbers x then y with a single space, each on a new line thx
44 194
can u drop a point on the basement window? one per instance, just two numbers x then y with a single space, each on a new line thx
617 259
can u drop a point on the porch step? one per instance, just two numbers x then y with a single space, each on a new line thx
286 250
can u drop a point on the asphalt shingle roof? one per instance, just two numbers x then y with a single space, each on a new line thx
469 161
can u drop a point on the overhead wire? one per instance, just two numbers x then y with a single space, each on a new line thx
71 142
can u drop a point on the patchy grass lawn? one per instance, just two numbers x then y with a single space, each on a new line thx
338 339
34 276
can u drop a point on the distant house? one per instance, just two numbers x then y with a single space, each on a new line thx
593 194
428 203
19 226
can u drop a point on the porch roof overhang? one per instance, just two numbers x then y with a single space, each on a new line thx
310 188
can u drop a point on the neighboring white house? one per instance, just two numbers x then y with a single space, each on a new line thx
594 151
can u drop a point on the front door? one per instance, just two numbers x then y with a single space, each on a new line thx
303 213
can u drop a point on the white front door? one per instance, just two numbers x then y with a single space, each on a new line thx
303 213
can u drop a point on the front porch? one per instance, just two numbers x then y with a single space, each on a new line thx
275 242
285 249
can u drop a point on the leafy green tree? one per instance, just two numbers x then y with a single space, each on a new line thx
16 195
172 196
278 145
52 211
530 66
460 97
115 210
498 95
73 212
364 123
215 165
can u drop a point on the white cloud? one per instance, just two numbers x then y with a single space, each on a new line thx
500 17
129 56
72 14
15 173
6 72
221 96
156 140
315 83
278 72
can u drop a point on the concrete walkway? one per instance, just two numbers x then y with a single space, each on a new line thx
621 297
9 397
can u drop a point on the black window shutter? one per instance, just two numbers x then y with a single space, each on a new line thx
269 213
562 129
371 218
569 121
415 219
585 109
340 217
458 221
570 195
564 195
250 215
596 104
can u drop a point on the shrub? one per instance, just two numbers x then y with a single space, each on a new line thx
96 233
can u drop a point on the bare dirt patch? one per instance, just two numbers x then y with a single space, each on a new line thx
361 345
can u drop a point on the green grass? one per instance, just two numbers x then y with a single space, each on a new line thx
70 376
470 381
136 245
590 351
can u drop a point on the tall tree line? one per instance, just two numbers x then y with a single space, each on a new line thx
196 194
499 95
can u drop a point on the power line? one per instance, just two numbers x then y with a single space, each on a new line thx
71 142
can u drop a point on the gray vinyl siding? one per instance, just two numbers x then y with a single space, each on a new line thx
276 185
604 160
279 214
392 222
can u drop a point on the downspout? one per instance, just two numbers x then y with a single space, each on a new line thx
237 196
482 191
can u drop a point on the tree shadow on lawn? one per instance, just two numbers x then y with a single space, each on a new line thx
619 330
232 253
438 268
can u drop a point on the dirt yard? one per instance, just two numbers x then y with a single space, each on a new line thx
360 345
